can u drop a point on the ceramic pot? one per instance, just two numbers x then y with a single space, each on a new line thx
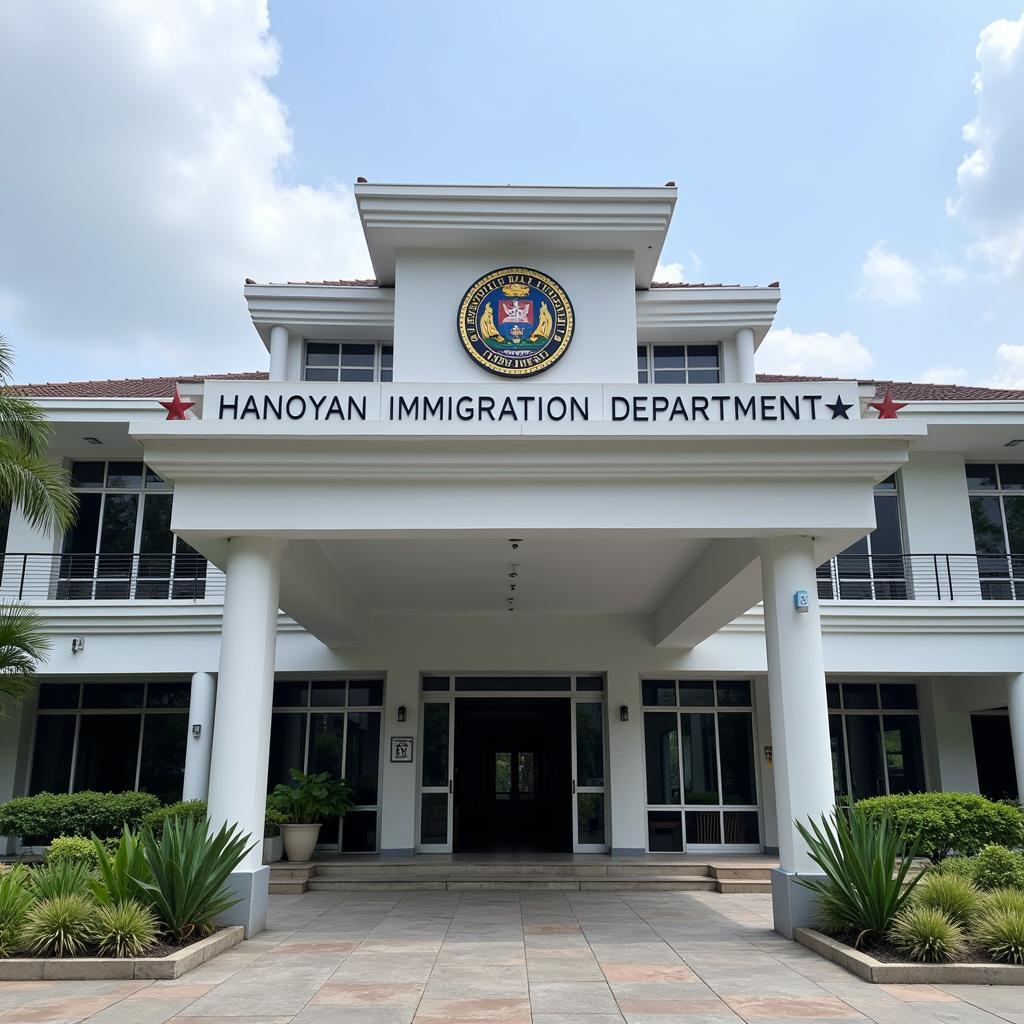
273 848
299 841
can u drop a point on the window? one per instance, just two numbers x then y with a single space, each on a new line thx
997 510
121 545
873 568
677 364
700 766
332 726
348 362
875 731
111 737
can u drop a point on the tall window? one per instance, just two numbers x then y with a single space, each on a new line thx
121 545
677 364
111 737
997 511
348 361
701 771
875 730
332 725
873 567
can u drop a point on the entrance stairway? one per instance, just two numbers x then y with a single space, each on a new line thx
593 874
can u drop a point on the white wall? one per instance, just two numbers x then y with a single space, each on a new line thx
937 515
430 284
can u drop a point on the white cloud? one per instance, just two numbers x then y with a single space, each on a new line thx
670 273
816 354
141 186
1009 367
990 180
888 279
946 375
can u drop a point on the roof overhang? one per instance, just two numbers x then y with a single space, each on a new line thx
514 217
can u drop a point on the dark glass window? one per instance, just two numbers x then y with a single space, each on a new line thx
162 768
590 683
860 695
436 684
435 748
659 692
112 695
864 737
127 475
981 476
287 746
108 752
835 732
898 695
168 695
58 695
589 744
661 741
327 695
87 474
700 759
590 815
678 364
434 818
362 755
288 694
359 832
697 693
664 831
365 693
736 733
904 759
353 362
51 755
734 694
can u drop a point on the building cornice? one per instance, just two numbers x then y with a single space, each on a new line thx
718 309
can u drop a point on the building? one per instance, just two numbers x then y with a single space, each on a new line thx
514 539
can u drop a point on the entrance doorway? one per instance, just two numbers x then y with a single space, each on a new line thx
993 754
512 775
513 764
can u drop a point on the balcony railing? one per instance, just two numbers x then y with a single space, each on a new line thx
922 578
108 577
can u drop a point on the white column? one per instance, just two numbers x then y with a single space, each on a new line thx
802 757
203 693
745 356
245 693
624 779
398 780
278 353
1015 702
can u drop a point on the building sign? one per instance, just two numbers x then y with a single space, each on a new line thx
401 749
515 322
448 408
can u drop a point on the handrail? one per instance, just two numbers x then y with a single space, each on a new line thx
135 576
924 577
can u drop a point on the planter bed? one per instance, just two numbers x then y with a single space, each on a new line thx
893 971
151 968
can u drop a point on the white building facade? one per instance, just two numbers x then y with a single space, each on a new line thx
517 542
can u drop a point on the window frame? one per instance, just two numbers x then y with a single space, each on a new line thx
381 374
78 711
308 710
649 348
1013 579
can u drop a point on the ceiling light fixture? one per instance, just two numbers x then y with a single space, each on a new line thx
1013 444
92 440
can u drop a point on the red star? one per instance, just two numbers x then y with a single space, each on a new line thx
177 407
887 408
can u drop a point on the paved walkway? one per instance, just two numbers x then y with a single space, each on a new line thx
511 958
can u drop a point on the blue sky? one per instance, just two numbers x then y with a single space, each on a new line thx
813 143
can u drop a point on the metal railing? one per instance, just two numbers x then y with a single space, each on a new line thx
108 577
922 578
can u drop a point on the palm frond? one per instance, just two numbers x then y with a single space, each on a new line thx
23 645
37 485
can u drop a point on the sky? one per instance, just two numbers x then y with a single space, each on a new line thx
869 155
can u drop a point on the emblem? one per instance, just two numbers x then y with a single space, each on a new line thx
515 321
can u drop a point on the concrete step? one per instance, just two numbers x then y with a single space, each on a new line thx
426 869
289 887
501 881
731 885
750 872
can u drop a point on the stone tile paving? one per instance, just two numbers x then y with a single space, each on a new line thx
530 957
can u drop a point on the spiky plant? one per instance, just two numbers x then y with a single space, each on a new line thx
926 934
955 896
61 926
60 878
1003 899
1000 933
124 929
15 900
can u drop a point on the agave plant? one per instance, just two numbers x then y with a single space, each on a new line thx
118 872
15 900
866 863
188 871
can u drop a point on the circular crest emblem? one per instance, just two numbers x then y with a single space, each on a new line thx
515 321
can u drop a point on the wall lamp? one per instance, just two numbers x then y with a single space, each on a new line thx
624 713
769 754
401 712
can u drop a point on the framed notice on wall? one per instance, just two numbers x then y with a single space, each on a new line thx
401 749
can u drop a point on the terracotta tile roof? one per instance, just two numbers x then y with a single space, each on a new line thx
908 391
707 284
163 387
132 387
358 282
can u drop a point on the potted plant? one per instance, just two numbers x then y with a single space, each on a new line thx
273 845
305 802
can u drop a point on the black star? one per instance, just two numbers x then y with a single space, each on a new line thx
839 408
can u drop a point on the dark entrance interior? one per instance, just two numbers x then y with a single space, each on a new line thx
993 753
512 775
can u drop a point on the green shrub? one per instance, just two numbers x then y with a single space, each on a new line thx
996 867
866 863
124 929
961 867
189 869
926 934
308 799
1001 934
41 818
71 848
120 875
60 878
956 897
61 926
1003 899
194 810
945 823
272 822
15 900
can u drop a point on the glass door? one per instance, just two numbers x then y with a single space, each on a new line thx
436 777
588 783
